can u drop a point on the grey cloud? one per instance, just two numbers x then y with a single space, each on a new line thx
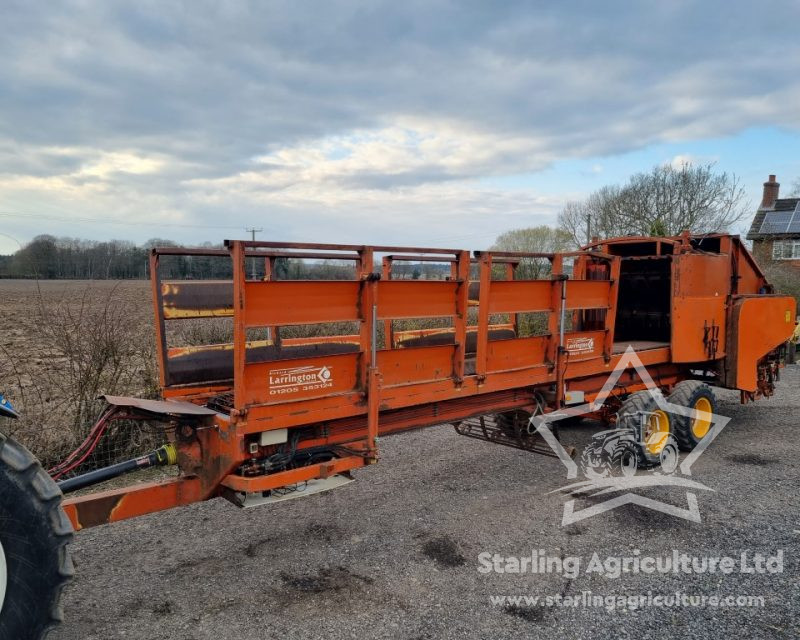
245 77
211 85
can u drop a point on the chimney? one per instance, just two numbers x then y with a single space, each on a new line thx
771 189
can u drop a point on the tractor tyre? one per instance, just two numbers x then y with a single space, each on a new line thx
688 430
660 425
34 533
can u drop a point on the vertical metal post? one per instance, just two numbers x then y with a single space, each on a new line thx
460 269
561 355
611 312
556 323
482 351
553 324
239 326
563 320
388 330
373 352
158 308
366 300
373 377
269 268
511 269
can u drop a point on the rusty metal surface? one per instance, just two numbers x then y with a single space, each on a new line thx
160 407
197 298
441 337
215 362
120 504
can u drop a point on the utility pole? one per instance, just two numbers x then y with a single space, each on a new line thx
588 227
253 233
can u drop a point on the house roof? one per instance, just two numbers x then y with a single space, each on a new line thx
782 220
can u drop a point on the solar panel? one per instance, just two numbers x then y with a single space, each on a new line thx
776 222
794 225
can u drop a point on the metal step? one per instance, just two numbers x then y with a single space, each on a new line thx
301 490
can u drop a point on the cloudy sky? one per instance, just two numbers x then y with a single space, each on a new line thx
425 122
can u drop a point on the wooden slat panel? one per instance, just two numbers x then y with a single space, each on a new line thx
506 296
587 294
517 353
402 366
300 302
197 298
302 379
416 299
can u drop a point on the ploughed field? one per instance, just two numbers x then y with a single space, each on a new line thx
62 343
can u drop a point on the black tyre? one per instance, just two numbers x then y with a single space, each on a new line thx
689 431
658 426
34 534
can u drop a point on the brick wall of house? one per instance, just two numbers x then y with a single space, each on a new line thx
762 252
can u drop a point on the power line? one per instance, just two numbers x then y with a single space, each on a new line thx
5 235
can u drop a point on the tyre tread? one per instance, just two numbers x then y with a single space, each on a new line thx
634 403
682 395
47 499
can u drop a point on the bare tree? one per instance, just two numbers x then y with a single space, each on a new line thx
665 201
795 189
598 215
542 239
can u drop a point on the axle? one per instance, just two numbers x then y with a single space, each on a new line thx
163 456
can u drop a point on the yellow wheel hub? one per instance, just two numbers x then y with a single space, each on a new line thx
657 433
701 423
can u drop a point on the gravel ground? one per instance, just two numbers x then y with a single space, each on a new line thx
395 554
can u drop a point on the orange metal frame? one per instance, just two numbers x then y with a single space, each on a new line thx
367 386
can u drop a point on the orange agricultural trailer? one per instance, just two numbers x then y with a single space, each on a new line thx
317 370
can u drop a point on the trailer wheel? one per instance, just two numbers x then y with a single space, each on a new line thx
34 534
690 431
659 427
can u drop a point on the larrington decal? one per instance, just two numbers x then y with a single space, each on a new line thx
297 379
580 345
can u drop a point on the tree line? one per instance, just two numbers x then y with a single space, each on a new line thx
662 202
49 258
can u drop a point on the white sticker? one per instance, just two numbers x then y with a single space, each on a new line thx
580 345
296 379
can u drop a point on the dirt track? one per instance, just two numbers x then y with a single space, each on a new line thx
394 554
